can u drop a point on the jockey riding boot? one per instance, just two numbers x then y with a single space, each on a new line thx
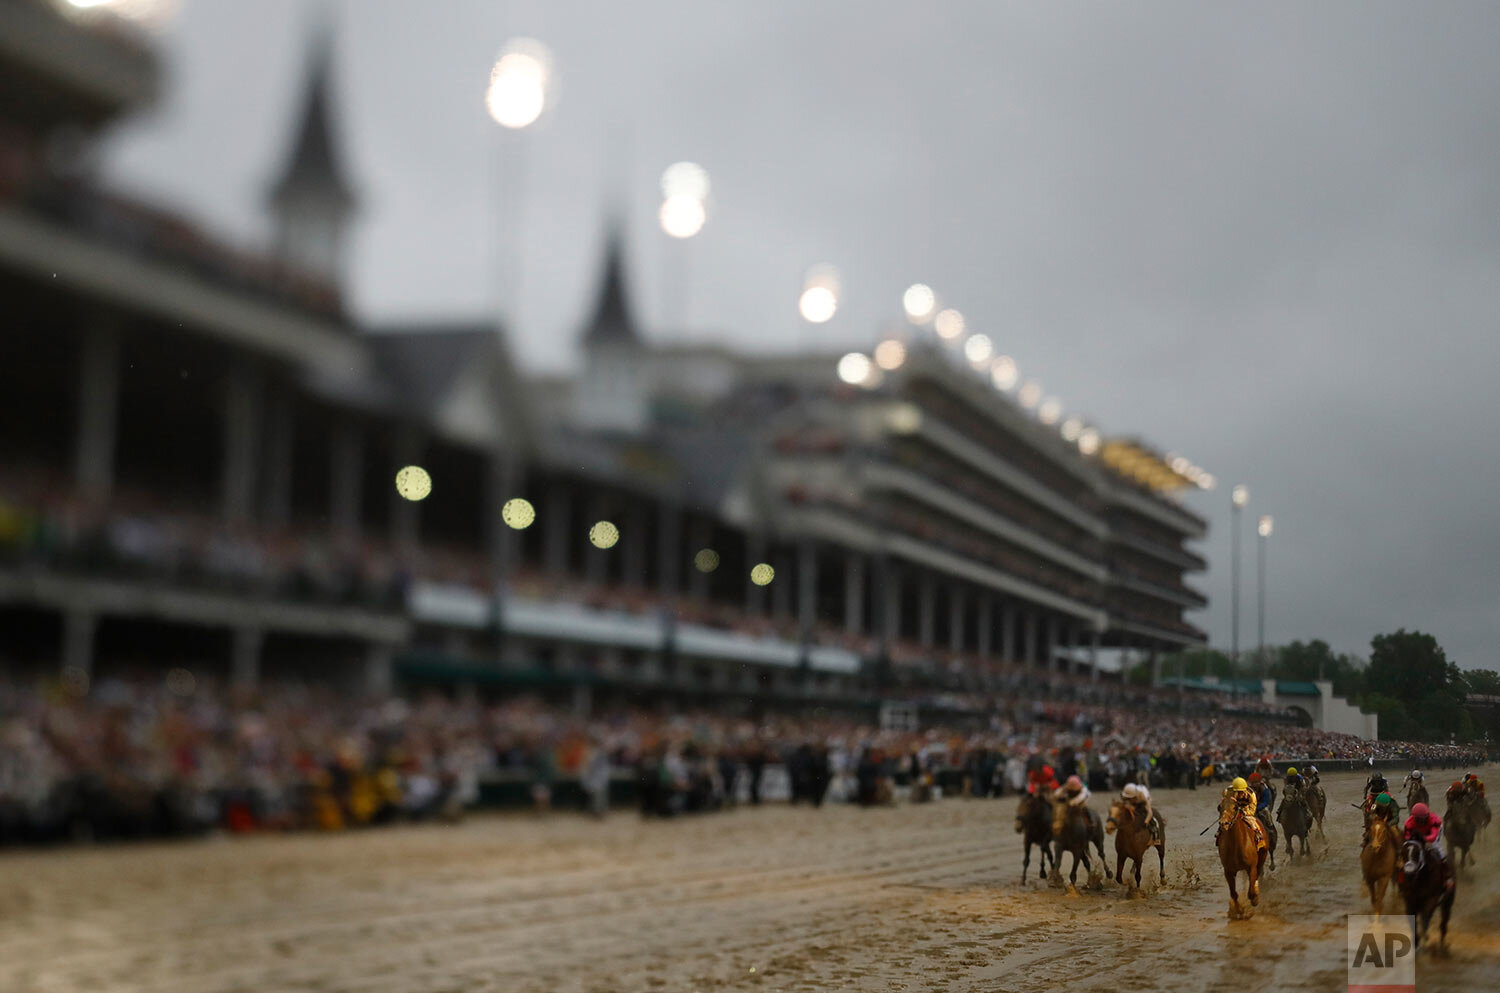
1447 871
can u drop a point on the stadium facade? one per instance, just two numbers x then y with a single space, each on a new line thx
200 444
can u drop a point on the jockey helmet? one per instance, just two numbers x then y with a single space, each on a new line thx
1239 784
1420 812
1383 800
1468 776
1416 774
1312 769
1074 784
1291 770
1255 779
1131 791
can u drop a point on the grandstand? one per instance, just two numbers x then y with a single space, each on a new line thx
201 443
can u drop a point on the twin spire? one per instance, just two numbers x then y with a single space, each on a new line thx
312 200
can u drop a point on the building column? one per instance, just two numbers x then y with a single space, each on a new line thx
1070 635
956 618
280 423
700 583
986 624
503 481
755 596
927 610
1008 631
633 537
669 548
242 415
890 602
245 655
346 481
595 563
1094 656
80 624
98 412
380 669
781 586
558 522
1050 658
406 517
1155 658
854 592
1030 649
807 588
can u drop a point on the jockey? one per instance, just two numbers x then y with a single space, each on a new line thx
1374 786
1240 799
1413 778
1139 797
1071 794
1294 780
1473 784
1385 809
1312 775
1265 769
1456 791
1425 826
1042 780
1262 790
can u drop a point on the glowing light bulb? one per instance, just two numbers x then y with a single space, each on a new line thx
1003 372
762 575
818 304
1088 441
854 368
919 302
517 93
413 483
1071 429
707 560
604 535
948 323
978 349
685 179
890 354
1265 525
1031 394
518 513
682 216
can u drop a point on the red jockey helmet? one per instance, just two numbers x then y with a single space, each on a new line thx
1421 812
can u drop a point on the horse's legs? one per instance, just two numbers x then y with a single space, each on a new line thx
1119 867
1232 877
1026 863
1161 864
1073 876
1138 870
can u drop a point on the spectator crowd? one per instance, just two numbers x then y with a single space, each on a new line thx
180 755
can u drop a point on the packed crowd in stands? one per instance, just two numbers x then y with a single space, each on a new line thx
180 755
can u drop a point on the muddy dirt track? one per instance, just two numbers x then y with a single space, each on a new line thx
910 898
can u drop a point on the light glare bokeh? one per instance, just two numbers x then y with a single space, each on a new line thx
682 216
517 93
890 354
413 483
919 302
948 324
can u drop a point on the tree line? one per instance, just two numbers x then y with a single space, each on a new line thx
1419 693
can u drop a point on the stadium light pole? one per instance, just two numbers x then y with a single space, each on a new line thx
517 96
1238 497
1263 529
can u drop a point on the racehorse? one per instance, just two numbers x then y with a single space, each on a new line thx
1264 816
1080 827
1416 793
1317 806
1238 853
1421 883
1133 840
1034 824
1460 822
1292 816
1378 861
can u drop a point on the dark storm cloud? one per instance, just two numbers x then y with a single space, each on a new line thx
1265 239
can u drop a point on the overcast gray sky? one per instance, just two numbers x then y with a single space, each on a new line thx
1267 238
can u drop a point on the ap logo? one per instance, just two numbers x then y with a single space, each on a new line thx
1382 958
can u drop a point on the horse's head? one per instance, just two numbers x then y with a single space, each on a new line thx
1119 813
1414 858
1024 811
